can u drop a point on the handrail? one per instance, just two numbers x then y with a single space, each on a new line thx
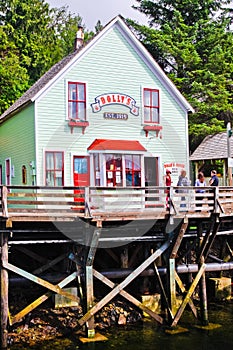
80 201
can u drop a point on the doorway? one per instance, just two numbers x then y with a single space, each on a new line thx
151 171
81 175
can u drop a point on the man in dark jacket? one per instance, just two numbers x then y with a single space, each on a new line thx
214 179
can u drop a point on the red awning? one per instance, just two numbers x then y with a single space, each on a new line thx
116 145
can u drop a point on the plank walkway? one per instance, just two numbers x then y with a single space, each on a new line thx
34 203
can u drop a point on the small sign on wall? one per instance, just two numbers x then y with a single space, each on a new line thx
118 116
175 169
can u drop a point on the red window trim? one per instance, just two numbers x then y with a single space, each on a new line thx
150 106
55 169
76 83
157 128
78 124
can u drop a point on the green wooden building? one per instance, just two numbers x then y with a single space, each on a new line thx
105 115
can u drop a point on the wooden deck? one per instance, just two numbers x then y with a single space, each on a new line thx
122 223
38 203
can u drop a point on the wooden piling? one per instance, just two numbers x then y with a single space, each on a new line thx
90 324
4 290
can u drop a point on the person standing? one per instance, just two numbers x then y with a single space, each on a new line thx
168 179
214 178
183 181
200 182
168 182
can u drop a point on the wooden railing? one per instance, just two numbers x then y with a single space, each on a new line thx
65 202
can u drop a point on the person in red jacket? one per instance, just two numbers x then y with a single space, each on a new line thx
168 182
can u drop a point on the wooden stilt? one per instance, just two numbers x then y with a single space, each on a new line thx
4 290
203 298
188 296
171 270
202 283
90 324
116 290
172 287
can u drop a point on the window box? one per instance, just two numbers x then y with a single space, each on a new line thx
78 124
157 128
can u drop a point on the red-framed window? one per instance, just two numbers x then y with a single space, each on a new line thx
77 101
133 170
54 168
151 105
113 170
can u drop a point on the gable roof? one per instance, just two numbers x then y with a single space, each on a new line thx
59 68
213 147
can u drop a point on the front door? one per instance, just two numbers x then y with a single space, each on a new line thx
151 180
151 171
81 176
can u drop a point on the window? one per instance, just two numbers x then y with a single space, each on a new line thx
54 171
133 170
119 170
151 105
113 170
76 101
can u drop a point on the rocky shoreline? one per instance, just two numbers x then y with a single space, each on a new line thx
46 324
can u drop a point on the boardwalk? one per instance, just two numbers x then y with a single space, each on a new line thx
136 230
26 203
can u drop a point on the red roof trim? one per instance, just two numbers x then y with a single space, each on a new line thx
116 145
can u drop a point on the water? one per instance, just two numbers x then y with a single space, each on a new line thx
150 336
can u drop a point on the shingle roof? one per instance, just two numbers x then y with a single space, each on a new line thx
35 89
213 147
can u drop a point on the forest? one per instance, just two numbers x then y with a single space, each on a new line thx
192 41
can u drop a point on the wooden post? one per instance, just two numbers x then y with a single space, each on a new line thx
90 324
172 287
4 202
124 258
4 290
203 297
202 284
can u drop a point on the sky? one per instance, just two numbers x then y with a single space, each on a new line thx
104 10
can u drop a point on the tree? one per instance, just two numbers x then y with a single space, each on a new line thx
33 38
192 43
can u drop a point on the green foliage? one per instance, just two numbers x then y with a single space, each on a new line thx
33 38
192 43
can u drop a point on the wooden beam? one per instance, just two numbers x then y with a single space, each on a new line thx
4 290
51 263
4 202
123 284
163 291
90 326
183 290
172 285
128 296
178 241
41 299
40 281
188 296
31 254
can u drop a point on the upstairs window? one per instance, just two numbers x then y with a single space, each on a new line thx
54 170
77 101
151 105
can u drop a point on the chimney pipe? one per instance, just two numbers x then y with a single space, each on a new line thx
79 38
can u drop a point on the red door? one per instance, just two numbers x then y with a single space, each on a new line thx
81 176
